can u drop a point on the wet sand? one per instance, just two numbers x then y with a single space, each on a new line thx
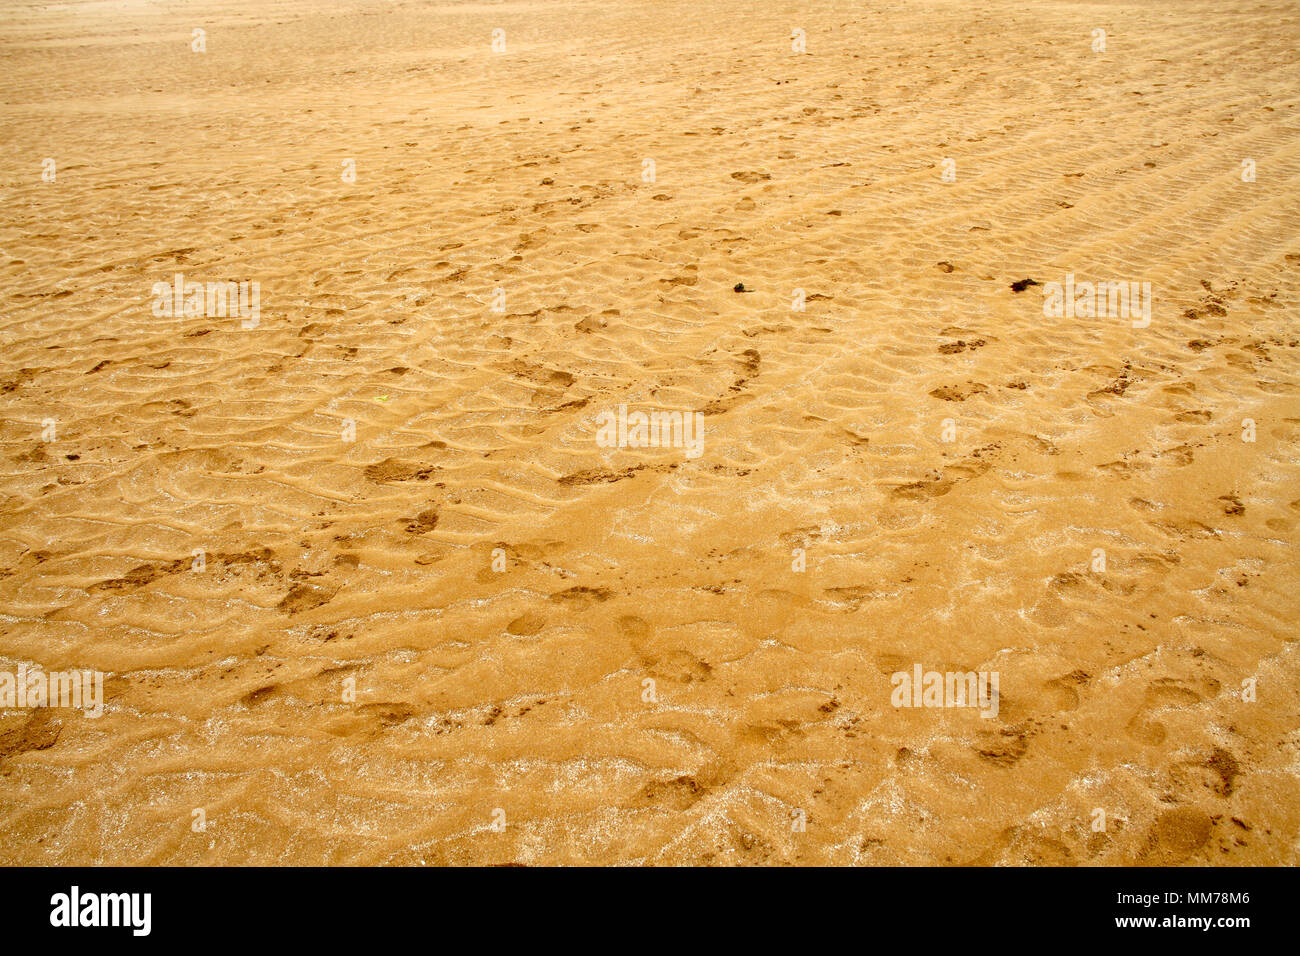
431 619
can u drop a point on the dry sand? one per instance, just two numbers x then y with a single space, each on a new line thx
332 564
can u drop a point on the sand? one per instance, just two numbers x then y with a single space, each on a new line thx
367 588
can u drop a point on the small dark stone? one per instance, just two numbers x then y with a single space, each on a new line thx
739 287
1023 284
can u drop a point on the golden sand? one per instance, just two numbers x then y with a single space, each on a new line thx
565 652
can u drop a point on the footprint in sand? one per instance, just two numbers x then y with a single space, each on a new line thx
422 523
526 625
1177 834
307 595
958 393
1161 694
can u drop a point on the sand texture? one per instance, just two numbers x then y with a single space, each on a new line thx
432 619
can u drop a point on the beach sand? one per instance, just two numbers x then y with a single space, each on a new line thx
367 588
